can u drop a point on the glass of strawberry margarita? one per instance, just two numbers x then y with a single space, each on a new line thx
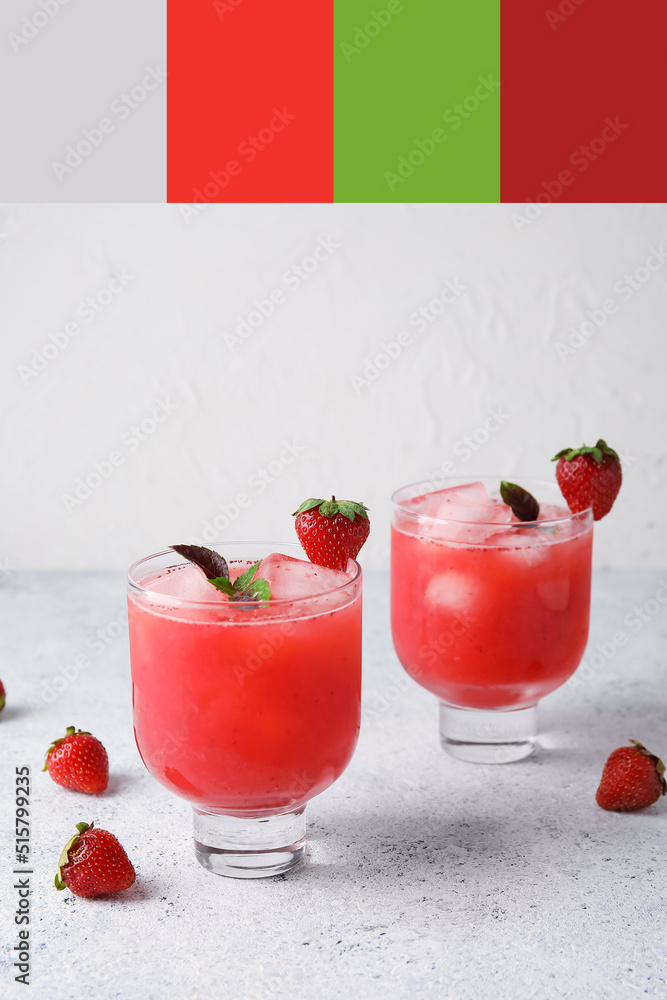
246 709
488 612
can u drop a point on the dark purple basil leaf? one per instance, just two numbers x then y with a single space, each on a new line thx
213 565
523 504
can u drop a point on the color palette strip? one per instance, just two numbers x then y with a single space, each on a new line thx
333 100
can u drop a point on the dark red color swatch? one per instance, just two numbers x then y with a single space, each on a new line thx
250 101
582 101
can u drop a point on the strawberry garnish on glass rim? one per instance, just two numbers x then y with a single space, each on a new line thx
332 531
589 477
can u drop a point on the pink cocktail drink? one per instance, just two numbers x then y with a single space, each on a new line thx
246 710
488 612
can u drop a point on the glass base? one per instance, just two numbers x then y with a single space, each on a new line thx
249 847
493 737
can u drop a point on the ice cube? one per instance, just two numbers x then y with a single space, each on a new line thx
529 545
535 553
498 512
456 502
552 511
290 579
187 583
453 591
459 514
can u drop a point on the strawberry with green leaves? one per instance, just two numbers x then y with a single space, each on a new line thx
78 761
332 531
93 863
633 778
589 476
2 696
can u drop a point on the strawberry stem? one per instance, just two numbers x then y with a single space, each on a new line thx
597 452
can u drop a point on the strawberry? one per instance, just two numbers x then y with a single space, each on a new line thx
632 778
78 761
93 863
2 696
589 476
332 531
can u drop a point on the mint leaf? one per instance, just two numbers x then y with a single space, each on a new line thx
213 565
258 590
247 589
244 579
523 504
223 585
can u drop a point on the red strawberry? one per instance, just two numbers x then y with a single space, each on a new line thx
2 696
78 761
93 863
332 531
589 476
632 778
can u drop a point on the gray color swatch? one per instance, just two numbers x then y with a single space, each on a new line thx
83 113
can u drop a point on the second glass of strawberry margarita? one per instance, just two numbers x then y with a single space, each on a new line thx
489 612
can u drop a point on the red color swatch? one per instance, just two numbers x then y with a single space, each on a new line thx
582 101
250 101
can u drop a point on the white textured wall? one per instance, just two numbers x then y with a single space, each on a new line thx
289 397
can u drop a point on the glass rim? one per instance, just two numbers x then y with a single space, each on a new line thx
462 480
137 588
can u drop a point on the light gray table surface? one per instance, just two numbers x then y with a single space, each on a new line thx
426 877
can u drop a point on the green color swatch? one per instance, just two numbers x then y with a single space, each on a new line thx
416 100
